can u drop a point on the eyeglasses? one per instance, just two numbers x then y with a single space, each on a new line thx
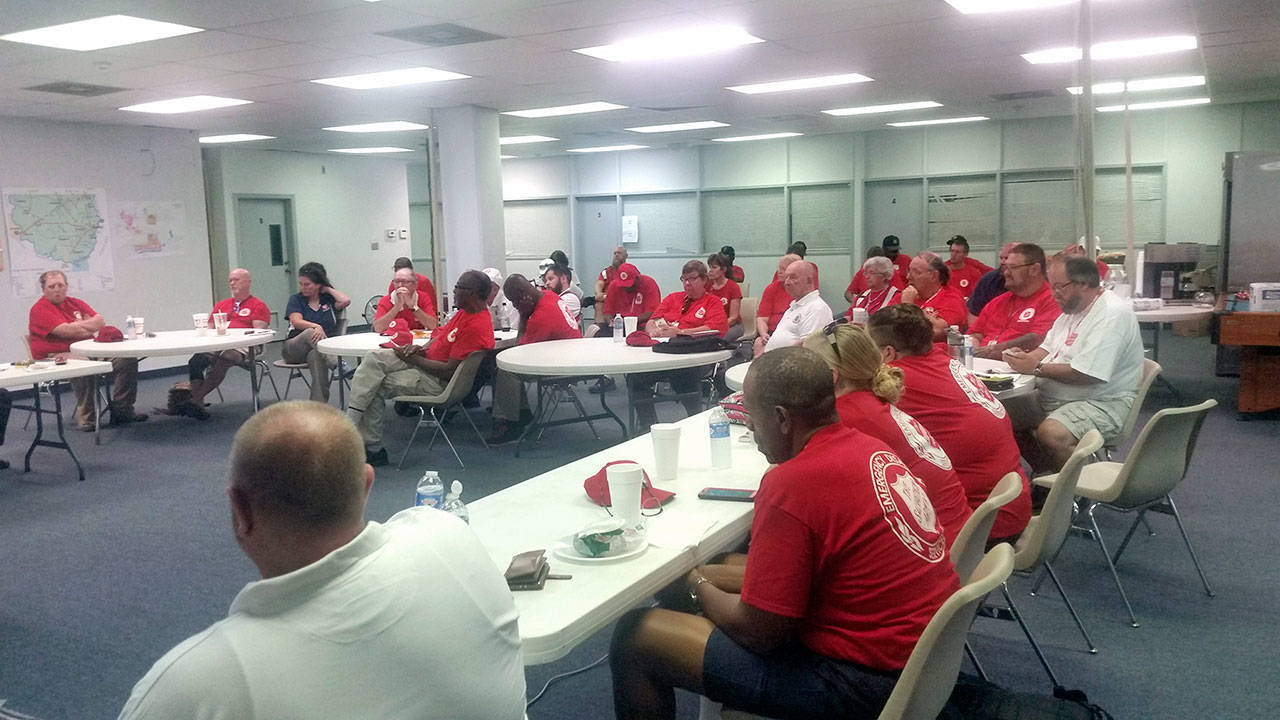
1059 287
1019 265
830 332
690 278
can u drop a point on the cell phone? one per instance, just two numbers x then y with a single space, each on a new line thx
733 494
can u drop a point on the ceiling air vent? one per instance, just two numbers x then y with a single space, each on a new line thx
75 88
1026 95
441 35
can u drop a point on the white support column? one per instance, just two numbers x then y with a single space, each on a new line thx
470 190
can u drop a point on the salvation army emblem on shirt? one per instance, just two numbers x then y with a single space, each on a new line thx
1026 314
639 299
964 282
920 439
906 507
701 313
453 335
975 390
244 312
78 315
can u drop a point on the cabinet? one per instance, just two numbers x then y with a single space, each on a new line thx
1258 334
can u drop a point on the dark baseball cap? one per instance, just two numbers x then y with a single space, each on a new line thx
891 242
958 240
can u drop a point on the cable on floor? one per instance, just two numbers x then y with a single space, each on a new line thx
562 676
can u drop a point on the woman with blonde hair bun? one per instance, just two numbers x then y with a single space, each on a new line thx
866 390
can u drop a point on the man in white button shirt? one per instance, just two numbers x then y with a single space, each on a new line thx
807 312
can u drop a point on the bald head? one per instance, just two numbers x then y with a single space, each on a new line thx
239 281
798 279
300 464
789 393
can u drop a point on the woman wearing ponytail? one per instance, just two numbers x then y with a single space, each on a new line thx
866 390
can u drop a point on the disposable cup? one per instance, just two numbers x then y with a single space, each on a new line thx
201 322
220 322
625 481
666 450
140 326
629 324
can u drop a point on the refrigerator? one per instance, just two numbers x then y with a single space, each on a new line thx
1250 248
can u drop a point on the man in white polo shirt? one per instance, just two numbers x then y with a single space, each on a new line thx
807 312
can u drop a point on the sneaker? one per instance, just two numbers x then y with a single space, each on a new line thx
604 384
471 401
503 433
126 417
4 464
85 427
195 410
376 459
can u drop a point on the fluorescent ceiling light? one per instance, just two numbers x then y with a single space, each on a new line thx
507 157
565 110
873 109
234 138
1143 85
1156 105
370 150
101 32
1116 49
608 148
677 127
973 7
389 126
766 136
943 121
525 139
686 42
193 103
800 84
391 78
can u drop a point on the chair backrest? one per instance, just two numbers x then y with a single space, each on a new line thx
26 340
930 674
971 542
1150 371
1046 531
748 311
591 330
341 327
464 376
1160 455
371 309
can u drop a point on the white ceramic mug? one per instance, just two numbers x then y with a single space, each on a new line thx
666 450
625 483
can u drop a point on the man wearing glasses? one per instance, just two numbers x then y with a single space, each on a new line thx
807 311
1088 367
414 308
1021 316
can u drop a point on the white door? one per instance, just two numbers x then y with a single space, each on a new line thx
264 249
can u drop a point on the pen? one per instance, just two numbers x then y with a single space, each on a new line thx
559 577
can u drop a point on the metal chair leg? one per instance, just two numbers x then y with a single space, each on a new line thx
573 397
1187 541
1070 608
1106 555
1004 589
266 372
412 437
440 431
974 659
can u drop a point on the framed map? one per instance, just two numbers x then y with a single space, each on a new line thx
58 229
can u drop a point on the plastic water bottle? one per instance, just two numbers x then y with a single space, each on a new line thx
506 315
721 452
430 490
618 328
955 343
453 502
130 330
966 351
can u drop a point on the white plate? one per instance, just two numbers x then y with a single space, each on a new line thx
563 549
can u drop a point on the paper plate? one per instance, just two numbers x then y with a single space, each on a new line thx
563 549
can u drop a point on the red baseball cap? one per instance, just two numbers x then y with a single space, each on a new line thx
597 487
394 327
627 276
399 339
640 338
109 333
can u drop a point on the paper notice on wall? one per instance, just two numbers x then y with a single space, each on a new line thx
630 229
148 229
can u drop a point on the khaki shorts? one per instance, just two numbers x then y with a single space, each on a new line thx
1107 415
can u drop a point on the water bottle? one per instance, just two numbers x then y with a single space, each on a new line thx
430 490
130 331
955 343
506 314
718 424
966 350
453 502
618 328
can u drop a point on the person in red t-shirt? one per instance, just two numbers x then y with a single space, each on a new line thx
630 295
206 370
957 409
406 305
846 567
543 316
901 263
56 321
726 288
424 282
407 369
1021 316
928 289
734 272
774 301
965 271
605 279
858 285
866 390
880 292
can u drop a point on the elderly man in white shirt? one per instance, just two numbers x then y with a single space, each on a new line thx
807 312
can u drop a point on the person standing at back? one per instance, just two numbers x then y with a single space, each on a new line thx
609 274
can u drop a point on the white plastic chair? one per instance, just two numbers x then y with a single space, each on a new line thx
1150 372
431 408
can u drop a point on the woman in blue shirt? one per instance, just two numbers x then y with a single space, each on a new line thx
313 316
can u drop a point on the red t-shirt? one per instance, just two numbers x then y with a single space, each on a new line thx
1008 316
462 335
730 291
550 320
971 425
706 310
858 284
737 275
874 301
406 317
608 275
965 279
901 265
250 309
845 540
925 458
774 301
643 297
424 285
948 305
45 316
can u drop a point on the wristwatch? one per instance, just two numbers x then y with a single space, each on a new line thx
693 590
1037 372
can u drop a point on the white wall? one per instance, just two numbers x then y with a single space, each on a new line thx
128 164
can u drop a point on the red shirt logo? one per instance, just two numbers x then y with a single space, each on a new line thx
906 507
1027 314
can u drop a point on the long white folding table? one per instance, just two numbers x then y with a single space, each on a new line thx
18 376
542 511
1169 314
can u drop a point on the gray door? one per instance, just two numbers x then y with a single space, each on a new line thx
264 248
599 232
896 207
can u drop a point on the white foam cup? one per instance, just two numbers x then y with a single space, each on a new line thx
201 322
625 482
629 324
666 450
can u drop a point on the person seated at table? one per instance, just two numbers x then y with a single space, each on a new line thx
774 301
559 258
832 597
56 320
207 370
407 305
350 615
858 284
724 287
606 277
800 249
689 311
400 367
735 272
630 294
806 313
501 311
866 390
424 282
901 263
942 305
1088 367
313 316
6 404
965 271
543 316
1020 316
877 273
559 280
957 409
989 285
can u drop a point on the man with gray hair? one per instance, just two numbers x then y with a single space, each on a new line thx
806 313
928 290
351 619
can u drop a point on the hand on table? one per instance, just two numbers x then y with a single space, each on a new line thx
987 351
1020 360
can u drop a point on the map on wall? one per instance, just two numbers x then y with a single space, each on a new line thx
63 229
147 229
